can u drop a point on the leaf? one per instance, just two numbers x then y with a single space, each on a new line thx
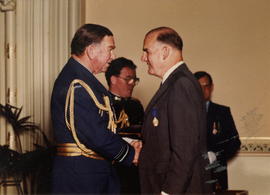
19 125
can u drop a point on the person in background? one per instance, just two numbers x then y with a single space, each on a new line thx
222 137
83 120
174 129
121 78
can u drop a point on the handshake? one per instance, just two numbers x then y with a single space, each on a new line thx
137 145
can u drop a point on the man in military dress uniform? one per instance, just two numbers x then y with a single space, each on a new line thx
121 79
83 121
222 137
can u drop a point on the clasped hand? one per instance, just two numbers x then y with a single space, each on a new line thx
137 145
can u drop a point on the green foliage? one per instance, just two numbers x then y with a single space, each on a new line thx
8 161
12 115
13 163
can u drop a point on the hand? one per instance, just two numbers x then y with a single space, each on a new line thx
211 156
163 193
137 145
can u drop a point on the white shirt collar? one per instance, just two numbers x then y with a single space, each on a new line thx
167 74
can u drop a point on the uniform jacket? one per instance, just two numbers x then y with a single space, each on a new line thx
223 139
135 112
81 174
129 176
171 159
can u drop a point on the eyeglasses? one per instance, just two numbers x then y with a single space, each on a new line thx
131 80
205 85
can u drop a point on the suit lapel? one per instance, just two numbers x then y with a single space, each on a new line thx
157 95
163 88
211 110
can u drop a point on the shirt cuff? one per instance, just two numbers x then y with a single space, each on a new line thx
164 193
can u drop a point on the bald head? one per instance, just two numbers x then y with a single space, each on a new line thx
162 49
167 35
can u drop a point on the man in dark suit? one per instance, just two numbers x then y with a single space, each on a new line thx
83 121
222 137
121 78
174 129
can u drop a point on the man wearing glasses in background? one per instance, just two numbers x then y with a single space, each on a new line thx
121 79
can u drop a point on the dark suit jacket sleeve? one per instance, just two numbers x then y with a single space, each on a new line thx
231 143
184 135
91 127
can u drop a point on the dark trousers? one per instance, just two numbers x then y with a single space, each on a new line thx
129 179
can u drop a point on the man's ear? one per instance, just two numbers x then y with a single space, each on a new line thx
113 80
165 52
90 51
212 87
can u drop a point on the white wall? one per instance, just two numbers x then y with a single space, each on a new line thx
229 39
250 172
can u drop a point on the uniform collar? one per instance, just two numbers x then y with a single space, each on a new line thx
87 76
117 97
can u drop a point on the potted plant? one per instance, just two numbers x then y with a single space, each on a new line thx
16 164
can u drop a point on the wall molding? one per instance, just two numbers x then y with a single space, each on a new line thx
255 145
7 5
